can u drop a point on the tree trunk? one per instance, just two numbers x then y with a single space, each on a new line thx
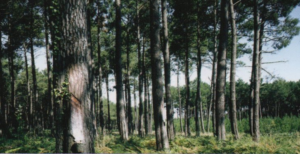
166 53
162 141
3 123
118 67
232 107
214 75
78 109
49 73
29 102
136 121
37 112
101 118
187 96
11 108
129 112
108 105
179 98
146 109
198 93
149 107
141 113
256 134
221 73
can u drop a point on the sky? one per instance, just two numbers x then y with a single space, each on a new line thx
288 70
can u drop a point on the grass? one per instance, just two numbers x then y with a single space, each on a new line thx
272 143
278 135
277 143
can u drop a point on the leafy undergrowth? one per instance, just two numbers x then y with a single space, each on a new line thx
274 143
26 144
278 143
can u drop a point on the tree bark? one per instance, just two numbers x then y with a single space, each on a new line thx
118 67
179 98
78 109
3 123
166 53
101 118
187 96
11 117
129 112
221 73
141 130
146 109
232 107
108 104
162 142
256 134
49 72
214 75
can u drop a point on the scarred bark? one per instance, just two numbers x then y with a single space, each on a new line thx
78 115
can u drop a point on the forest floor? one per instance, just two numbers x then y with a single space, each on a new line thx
271 143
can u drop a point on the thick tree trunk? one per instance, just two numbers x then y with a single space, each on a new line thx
232 106
221 73
166 53
256 134
162 141
119 85
78 109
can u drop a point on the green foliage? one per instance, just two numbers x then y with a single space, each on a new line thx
277 143
26 144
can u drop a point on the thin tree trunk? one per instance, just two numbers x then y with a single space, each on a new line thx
141 130
149 107
49 73
221 73
187 96
129 112
232 108
136 121
119 85
146 109
101 118
256 134
162 141
29 105
11 108
214 74
108 104
179 98
198 94
3 123
166 53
